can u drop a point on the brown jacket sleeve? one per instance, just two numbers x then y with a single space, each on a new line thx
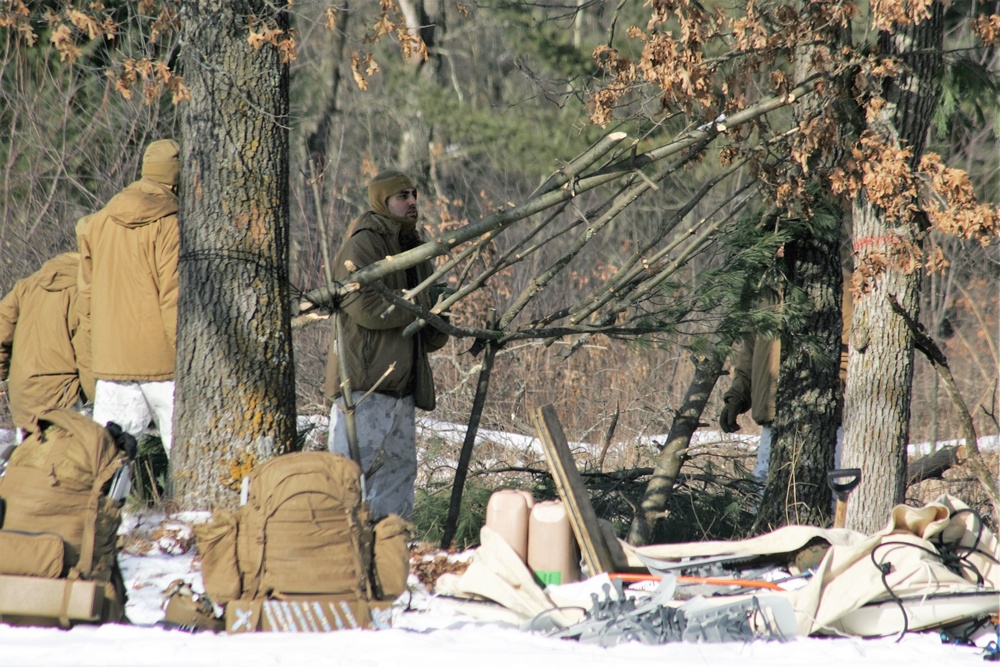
366 305
9 312
167 252
82 338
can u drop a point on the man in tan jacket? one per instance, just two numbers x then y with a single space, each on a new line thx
38 342
756 364
128 296
376 353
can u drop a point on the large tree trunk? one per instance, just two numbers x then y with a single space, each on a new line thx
235 379
880 369
810 395
804 431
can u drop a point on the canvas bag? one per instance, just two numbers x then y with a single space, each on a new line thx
303 531
391 556
56 482
220 571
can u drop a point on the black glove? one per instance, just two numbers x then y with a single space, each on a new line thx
727 418
125 441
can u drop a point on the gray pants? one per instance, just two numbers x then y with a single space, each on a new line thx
387 438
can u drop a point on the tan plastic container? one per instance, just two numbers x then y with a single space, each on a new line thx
552 550
507 514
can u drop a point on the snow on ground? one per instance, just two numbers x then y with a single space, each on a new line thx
455 433
425 632
455 643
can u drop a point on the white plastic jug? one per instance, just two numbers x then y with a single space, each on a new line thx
507 514
553 555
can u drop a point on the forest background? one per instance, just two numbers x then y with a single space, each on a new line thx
494 100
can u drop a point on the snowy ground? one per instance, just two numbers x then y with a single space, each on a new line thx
425 632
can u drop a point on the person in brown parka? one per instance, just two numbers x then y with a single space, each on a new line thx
376 354
39 329
128 296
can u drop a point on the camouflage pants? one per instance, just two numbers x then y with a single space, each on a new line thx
763 453
133 405
387 439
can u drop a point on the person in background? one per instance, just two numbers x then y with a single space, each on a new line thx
754 387
756 365
128 297
39 329
376 354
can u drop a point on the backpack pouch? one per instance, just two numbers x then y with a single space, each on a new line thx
217 545
27 554
391 556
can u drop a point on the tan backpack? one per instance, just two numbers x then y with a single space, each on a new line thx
56 483
303 532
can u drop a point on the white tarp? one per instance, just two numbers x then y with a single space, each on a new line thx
905 559
910 547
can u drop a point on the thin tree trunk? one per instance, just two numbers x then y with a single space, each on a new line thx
809 396
804 431
235 387
674 451
317 91
926 344
465 457
426 19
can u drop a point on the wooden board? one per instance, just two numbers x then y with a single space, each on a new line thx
569 484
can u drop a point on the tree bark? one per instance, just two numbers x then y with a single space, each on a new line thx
426 19
235 389
317 155
809 397
935 464
880 368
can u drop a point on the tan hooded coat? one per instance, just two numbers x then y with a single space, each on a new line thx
128 283
758 361
38 337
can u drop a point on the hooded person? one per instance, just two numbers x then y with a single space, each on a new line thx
368 339
128 297
38 343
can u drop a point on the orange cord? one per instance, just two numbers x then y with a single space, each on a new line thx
712 581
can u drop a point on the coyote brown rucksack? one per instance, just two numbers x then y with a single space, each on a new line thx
56 482
303 531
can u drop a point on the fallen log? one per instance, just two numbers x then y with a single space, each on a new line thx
933 466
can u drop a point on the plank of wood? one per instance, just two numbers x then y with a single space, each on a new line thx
569 484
